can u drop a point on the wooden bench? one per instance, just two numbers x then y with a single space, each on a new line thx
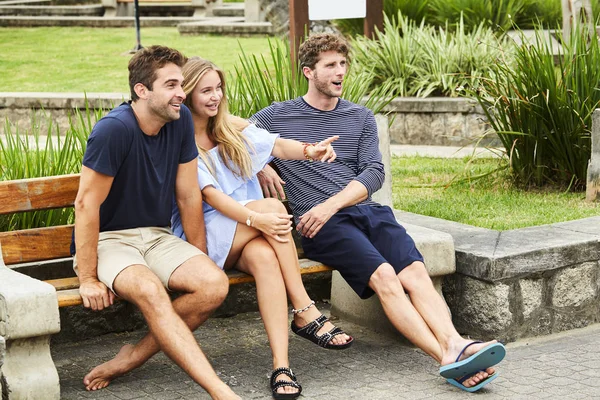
29 307
50 243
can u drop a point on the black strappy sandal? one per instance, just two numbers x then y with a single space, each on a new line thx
281 383
309 331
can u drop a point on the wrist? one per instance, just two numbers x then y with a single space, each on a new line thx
251 218
309 151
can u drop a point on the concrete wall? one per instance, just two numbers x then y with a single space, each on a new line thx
433 121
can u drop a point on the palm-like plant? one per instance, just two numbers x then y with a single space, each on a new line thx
542 111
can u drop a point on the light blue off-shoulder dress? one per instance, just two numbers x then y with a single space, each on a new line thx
220 229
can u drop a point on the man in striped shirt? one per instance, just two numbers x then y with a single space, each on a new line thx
340 225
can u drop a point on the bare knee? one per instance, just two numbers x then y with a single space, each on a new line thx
150 293
415 277
384 281
200 277
212 286
270 205
260 259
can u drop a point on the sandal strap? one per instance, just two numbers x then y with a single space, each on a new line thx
465 348
280 384
285 371
313 327
325 338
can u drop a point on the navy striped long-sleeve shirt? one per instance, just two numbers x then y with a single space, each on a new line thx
358 158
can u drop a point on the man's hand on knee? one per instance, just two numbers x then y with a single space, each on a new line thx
271 183
311 223
96 295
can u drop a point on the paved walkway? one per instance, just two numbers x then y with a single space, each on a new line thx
562 366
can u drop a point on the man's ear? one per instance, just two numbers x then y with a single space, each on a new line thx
141 90
307 72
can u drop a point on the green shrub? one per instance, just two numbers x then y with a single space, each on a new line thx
36 153
542 111
259 81
421 60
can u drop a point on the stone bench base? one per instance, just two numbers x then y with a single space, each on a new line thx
438 251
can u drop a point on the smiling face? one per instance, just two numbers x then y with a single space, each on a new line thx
166 96
328 75
207 94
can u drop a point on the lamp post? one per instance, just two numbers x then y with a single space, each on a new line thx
138 45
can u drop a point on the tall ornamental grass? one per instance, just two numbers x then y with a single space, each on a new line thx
422 60
542 111
259 81
42 152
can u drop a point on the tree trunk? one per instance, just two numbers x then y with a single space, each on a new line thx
577 12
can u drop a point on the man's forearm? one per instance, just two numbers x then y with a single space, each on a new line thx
87 227
192 220
352 194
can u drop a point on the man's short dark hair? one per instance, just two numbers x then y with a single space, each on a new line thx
144 64
311 49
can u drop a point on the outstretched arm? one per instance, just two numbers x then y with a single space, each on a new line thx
287 149
93 190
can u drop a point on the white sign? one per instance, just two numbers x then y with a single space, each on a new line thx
336 9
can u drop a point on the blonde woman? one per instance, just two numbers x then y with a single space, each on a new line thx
246 231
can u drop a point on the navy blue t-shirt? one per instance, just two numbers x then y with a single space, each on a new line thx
144 167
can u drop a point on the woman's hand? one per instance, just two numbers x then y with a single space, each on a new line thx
273 224
323 151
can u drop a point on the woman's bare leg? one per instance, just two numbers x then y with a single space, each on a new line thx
290 270
252 254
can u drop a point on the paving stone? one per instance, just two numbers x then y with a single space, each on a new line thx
376 368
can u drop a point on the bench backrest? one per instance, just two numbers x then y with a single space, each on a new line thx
34 194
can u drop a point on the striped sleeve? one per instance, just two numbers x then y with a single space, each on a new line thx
371 172
263 118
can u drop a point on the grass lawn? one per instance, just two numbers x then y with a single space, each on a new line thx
420 186
73 59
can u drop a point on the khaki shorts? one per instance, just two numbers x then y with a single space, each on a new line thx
156 248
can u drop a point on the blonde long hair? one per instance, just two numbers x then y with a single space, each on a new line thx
224 128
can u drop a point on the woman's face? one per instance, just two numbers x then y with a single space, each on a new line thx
207 95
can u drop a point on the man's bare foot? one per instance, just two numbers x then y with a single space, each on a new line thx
313 313
454 350
285 389
101 376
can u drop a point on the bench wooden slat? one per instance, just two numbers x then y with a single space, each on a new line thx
38 193
68 288
36 244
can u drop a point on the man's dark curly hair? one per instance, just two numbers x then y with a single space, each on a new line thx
144 64
311 49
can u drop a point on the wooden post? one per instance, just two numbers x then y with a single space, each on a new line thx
374 18
592 192
574 12
299 27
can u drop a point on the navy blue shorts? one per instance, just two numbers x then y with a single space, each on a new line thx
357 240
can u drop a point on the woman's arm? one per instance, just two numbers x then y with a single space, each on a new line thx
273 224
287 149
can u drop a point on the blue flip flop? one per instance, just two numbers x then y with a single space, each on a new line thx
459 383
484 358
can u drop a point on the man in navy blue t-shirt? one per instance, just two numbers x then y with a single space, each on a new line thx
138 158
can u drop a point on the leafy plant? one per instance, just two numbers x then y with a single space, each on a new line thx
259 81
542 111
421 60
43 152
